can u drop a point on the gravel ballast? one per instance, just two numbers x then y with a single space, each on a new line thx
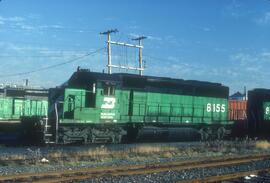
174 176
124 154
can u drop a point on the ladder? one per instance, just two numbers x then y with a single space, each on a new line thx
51 127
49 132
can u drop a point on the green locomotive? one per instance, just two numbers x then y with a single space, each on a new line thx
17 102
258 112
98 107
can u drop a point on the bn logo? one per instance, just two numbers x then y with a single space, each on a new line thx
109 103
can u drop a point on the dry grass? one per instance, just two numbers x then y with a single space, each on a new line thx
99 151
143 152
148 149
57 154
139 152
104 154
262 144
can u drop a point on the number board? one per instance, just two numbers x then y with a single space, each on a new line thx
266 110
216 107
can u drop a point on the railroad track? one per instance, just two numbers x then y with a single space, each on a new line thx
234 177
89 173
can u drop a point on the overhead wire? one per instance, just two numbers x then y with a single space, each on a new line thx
53 66
30 56
21 27
124 56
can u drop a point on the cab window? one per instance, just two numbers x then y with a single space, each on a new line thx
109 90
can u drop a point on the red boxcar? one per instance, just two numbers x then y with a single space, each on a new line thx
237 110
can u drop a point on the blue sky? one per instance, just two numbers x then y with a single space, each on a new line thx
225 41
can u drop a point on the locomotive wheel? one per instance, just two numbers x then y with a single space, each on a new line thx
221 132
204 134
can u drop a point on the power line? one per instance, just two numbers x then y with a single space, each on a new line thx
52 66
30 27
30 56
44 46
42 56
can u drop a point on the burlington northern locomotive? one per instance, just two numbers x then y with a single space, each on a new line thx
94 107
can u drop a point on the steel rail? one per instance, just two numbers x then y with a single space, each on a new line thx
88 173
225 177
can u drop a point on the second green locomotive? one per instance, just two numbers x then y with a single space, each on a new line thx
16 102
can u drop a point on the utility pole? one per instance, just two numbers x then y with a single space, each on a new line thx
140 39
109 42
26 82
108 33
